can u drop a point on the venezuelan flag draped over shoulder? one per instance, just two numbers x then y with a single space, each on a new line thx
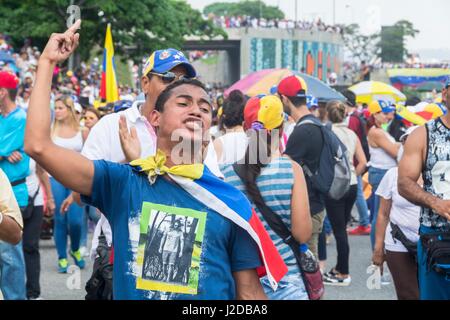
226 200
108 89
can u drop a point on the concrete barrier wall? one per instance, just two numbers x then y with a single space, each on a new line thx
318 53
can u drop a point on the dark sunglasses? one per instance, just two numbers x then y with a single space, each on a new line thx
169 77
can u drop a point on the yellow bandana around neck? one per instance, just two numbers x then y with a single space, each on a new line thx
155 166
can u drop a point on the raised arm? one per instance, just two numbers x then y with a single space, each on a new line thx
69 167
409 172
380 139
361 157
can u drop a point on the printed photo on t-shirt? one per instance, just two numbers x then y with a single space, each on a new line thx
169 250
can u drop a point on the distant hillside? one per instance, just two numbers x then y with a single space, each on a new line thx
434 54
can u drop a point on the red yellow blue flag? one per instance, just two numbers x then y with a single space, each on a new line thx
109 89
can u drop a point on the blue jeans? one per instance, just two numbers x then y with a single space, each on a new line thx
327 226
89 213
93 214
432 286
375 177
68 223
12 271
361 205
291 287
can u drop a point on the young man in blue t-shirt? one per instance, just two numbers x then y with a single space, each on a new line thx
218 258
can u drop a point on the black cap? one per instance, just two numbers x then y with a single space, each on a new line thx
351 97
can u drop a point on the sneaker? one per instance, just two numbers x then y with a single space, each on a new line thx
334 280
360 231
331 273
62 266
353 221
78 258
84 252
39 298
386 277
385 280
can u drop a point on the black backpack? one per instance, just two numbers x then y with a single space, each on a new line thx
100 285
333 175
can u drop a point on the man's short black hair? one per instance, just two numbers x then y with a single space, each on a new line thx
351 97
165 95
298 101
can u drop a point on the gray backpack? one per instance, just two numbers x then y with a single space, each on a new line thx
333 175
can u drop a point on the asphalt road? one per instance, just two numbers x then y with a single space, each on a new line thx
360 261
71 286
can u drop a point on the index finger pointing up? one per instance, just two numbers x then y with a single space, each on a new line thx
74 27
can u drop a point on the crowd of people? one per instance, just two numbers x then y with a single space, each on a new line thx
83 82
200 199
254 22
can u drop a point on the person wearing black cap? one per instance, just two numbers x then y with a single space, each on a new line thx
427 152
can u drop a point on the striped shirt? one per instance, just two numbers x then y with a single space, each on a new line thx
275 184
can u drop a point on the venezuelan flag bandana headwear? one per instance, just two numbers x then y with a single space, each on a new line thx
223 198
377 106
266 111
162 61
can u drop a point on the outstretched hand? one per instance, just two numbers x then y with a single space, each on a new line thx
61 45
129 140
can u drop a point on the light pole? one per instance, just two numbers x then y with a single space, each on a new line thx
334 12
352 17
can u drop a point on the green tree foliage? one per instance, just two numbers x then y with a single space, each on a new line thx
393 41
138 27
250 8
388 44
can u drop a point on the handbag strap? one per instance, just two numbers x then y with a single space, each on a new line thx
36 194
273 220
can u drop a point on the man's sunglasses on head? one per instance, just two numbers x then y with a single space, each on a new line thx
169 77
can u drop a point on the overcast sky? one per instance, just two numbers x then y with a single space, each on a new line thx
431 17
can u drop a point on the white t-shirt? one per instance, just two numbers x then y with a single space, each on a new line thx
103 142
379 158
33 185
234 146
403 213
